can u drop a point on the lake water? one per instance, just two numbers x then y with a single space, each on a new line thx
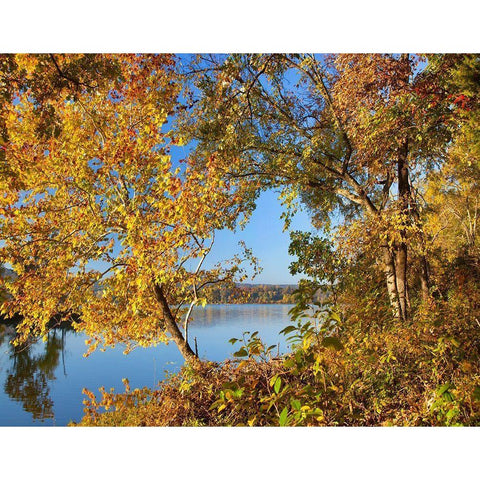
42 384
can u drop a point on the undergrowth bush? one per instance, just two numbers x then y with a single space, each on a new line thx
346 368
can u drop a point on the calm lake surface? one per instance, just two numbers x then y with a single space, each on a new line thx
42 385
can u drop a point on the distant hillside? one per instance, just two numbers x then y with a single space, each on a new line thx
251 293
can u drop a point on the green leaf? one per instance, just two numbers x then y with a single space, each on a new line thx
296 405
444 388
238 393
332 342
289 363
270 348
233 341
282 420
288 329
278 383
241 353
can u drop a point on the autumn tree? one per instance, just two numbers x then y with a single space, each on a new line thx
95 220
352 136
452 191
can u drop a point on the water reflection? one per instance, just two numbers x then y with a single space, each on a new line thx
36 390
31 373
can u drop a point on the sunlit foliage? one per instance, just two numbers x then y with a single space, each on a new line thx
96 221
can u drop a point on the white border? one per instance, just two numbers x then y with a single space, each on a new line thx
239 26
241 453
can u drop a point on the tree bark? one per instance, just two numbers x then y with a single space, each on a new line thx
409 208
402 251
401 263
389 269
172 327
424 277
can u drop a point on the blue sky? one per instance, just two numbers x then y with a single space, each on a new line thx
264 235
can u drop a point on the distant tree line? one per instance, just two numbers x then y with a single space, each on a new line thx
248 293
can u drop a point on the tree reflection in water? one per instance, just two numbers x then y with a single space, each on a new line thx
28 379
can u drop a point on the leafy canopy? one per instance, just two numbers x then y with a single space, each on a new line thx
93 212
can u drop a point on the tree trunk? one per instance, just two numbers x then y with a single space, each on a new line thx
402 252
424 277
401 262
172 327
389 269
409 207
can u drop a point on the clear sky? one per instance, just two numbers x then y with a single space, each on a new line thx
264 235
